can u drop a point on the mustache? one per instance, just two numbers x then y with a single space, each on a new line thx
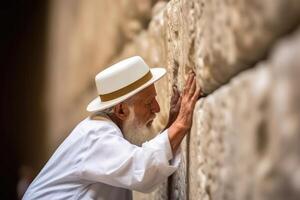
152 118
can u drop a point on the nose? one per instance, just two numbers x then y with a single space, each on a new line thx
155 107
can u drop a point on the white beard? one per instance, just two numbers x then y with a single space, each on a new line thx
134 132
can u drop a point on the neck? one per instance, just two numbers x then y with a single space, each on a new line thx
116 120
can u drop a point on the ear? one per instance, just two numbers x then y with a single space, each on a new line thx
121 111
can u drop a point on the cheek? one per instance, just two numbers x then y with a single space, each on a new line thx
143 114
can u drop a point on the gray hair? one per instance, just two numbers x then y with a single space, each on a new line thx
110 110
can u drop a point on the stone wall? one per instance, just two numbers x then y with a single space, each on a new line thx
244 143
232 151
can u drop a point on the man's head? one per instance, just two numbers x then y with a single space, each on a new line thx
135 115
127 89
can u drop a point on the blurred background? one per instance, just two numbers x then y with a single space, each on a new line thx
23 113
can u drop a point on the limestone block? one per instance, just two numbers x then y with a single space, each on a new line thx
161 192
220 38
178 182
224 138
278 175
244 142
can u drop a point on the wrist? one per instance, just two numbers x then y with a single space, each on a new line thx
179 127
176 133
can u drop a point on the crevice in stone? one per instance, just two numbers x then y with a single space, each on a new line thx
262 138
175 72
250 65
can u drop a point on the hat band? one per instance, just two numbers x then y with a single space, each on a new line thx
126 89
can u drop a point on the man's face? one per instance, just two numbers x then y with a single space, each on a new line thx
142 111
146 106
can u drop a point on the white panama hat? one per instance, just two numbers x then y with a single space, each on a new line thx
123 80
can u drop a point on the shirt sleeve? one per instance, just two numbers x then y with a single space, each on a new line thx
111 159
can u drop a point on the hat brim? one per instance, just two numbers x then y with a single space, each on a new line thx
96 105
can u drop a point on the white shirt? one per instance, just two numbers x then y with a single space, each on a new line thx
96 162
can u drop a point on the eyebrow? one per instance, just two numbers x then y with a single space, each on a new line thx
150 97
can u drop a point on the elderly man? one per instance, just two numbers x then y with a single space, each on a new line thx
114 151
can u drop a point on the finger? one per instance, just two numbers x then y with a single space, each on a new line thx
176 92
193 87
188 85
172 97
178 104
197 94
173 92
175 95
174 88
188 82
192 76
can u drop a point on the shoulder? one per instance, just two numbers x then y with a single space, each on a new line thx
99 125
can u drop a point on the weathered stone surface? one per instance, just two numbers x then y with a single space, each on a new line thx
217 39
245 139
178 182
225 137
161 192
279 172
245 31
